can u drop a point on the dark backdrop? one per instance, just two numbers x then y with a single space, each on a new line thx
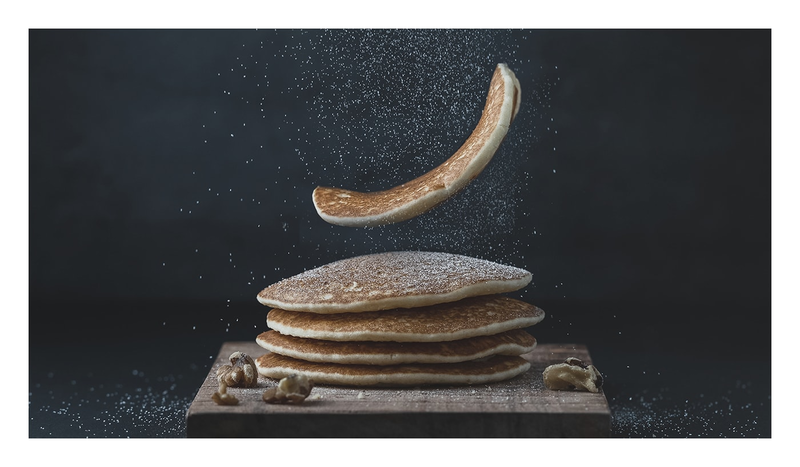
171 176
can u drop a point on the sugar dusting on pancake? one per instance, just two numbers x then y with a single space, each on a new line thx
404 279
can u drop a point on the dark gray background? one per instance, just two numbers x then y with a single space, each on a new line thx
651 216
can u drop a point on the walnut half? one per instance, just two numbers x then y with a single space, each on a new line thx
293 389
241 373
573 374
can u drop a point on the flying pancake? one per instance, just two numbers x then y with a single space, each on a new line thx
382 281
359 209
492 369
471 317
516 342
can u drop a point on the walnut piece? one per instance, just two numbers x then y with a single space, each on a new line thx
572 374
222 397
293 390
241 373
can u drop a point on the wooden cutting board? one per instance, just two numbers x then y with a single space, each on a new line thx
520 407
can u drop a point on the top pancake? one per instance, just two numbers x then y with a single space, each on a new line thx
405 279
364 209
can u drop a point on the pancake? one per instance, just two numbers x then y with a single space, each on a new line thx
358 209
471 317
516 342
492 369
404 279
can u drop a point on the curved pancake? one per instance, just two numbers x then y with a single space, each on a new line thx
471 317
404 279
497 368
515 342
359 209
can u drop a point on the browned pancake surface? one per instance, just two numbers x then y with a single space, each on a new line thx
381 281
515 342
353 208
497 368
476 316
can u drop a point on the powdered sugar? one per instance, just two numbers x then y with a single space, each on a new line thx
394 279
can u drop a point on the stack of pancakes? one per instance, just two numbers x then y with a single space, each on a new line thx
399 318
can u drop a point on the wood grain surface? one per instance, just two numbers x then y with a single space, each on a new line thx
520 407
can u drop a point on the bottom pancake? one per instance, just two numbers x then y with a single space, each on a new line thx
515 342
488 370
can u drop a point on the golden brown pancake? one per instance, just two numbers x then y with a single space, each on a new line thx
516 342
471 317
358 209
402 279
496 368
